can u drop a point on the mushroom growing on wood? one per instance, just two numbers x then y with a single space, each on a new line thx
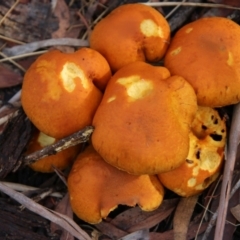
60 160
142 124
61 91
206 53
96 188
205 157
130 33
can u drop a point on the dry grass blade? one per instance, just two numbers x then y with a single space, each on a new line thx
182 217
57 218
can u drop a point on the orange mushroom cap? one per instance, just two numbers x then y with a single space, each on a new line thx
60 160
59 93
96 188
142 124
131 32
206 53
205 157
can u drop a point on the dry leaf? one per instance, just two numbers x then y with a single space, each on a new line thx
61 11
110 230
63 207
182 217
138 235
169 235
134 218
9 78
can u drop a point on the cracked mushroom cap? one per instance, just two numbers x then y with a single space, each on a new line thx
96 188
130 33
142 124
206 53
205 157
60 160
60 91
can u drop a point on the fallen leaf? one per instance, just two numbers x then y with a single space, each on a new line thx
182 217
61 11
135 219
63 207
138 235
110 230
9 78
169 235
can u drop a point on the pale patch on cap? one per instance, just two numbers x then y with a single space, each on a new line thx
45 140
69 73
137 88
150 29
111 99
176 51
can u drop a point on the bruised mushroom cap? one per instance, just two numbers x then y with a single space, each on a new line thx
207 54
142 124
58 92
96 188
60 160
205 157
131 32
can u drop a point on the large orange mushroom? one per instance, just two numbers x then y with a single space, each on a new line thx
205 157
131 32
96 188
61 91
142 124
206 53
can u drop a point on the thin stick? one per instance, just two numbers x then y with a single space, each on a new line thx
7 13
191 4
13 62
72 140
10 39
175 9
23 56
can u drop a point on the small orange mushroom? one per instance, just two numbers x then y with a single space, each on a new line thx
96 188
60 160
205 157
206 53
130 33
142 124
61 91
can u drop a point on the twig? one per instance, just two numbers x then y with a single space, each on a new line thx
8 12
23 56
174 9
234 138
30 47
10 39
191 4
13 62
72 140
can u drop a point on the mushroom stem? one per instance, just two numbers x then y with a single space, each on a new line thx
72 140
234 138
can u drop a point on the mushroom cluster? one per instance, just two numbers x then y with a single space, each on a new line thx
154 126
